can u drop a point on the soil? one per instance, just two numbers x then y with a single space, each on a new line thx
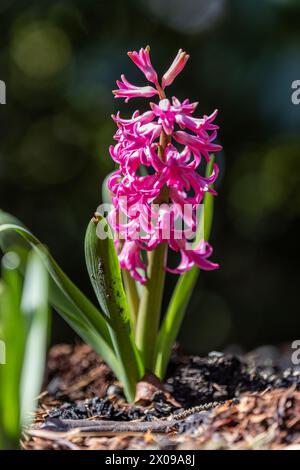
221 401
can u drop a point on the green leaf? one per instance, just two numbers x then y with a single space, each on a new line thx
181 296
13 336
64 296
34 307
23 325
105 275
132 295
131 286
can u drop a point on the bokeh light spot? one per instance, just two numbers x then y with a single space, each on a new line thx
40 50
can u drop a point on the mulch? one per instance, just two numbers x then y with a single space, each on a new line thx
216 402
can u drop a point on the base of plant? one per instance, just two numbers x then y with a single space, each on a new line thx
198 394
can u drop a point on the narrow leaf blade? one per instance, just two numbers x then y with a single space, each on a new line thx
34 307
13 336
64 296
105 275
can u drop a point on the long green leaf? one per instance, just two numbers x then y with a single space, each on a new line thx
132 295
13 336
64 296
130 285
23 322
34 307
105 275
181 296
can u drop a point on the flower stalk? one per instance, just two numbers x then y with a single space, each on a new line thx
181 296
150 306
152 293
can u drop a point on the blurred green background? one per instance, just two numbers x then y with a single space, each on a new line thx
60 60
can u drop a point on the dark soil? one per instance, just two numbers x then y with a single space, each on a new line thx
108 408
197 396
217 377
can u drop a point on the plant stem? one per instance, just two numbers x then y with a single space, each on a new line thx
181 296
150 305
152 293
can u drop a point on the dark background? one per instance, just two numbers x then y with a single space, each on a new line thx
60 60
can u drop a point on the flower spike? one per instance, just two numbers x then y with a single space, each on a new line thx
171 174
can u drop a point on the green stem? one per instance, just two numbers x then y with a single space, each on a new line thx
152 293
150 305
181 296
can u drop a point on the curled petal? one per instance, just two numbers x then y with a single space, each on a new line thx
130 258
127 90
197 257
136 118
193 124
197 144
185 107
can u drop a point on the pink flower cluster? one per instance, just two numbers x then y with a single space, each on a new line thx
149 141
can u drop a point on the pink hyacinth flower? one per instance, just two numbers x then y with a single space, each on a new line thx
176 67
143 62
127 90
197 256
198 145
130 258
